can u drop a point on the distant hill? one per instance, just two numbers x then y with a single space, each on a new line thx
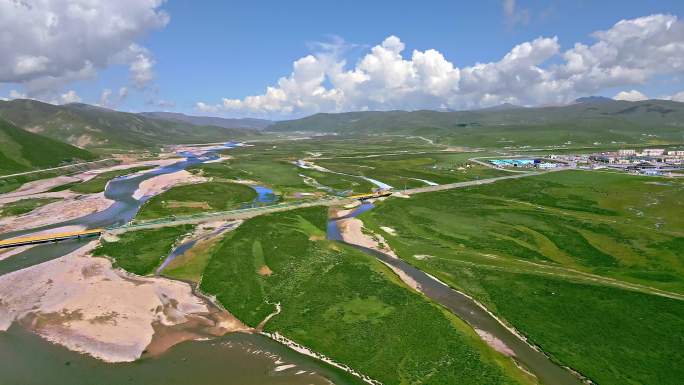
594 99
21 150
245 123
593 120
501 107
92 127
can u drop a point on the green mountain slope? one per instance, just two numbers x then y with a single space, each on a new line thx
647 122
88 126
21 150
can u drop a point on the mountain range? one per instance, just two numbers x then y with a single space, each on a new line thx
587 121
244 123
34 134
106 130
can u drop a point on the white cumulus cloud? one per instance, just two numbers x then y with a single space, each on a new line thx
68 97
630 96
678 97
631 52
45 44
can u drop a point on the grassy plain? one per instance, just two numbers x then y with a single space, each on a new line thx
554 255
99 183
25 206
396 160
190 265
141 251
280 174
612 336
344 304
194 198
10 184
410 170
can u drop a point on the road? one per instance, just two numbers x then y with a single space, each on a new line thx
227 215
253 212
477 182
57 168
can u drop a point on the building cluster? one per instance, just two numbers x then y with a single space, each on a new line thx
526 163
649 161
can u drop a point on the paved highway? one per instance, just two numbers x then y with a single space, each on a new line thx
253 212
249 212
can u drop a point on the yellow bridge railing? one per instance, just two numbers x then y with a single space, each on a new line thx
52 237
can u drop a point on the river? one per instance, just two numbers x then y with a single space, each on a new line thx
468 310
238 358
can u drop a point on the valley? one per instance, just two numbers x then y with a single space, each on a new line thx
462 271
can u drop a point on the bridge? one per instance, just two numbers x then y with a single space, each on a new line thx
47 238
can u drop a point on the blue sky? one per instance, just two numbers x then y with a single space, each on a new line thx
210 50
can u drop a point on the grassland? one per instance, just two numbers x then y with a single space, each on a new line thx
611 335
190 199
8 184
190 265
12 183
99 183
646 122
280 174
396 160
571 259
411 170
25 206
140 252
344 304
328 146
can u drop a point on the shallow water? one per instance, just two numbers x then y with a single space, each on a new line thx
239 359
264 194
468 310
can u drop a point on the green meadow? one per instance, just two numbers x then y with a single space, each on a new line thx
280 174
25 206
99 183
195 198
344 304
574 260
401 170
141 251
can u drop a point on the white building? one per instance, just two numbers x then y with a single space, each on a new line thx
626 152
547 165
653 152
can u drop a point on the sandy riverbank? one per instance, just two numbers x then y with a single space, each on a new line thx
55 194
84 304
75 206
161 183
38 186
90 174
353 232
42 186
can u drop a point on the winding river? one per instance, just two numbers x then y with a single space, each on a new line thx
244 359
468 310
